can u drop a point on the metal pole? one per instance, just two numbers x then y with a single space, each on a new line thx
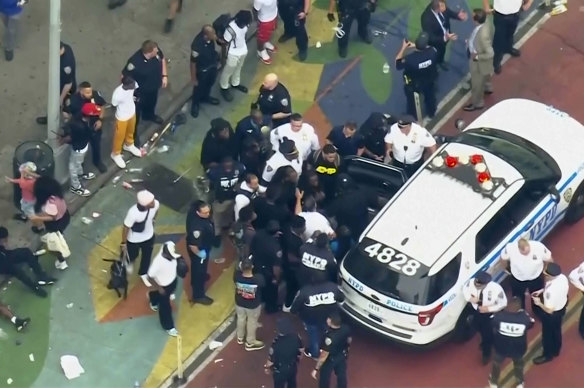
53 103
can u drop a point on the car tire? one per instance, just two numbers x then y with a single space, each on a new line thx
575 210
464 329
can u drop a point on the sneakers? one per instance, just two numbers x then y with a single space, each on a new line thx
9 55
81 191
61 265
265 57
307 354
118 160
286 309
172 332
133 150
270 47
256 345
153 308
21 323
240 341
88 176
46 280
204 301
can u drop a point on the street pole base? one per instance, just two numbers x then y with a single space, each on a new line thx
179 380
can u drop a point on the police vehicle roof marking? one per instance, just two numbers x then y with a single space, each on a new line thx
435 209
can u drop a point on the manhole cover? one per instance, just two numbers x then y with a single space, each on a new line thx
160 181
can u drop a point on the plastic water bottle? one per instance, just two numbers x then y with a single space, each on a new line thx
137 384
385 68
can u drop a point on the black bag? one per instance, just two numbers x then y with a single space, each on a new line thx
220 25
139 227
181 267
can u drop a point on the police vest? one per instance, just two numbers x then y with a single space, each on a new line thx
251 195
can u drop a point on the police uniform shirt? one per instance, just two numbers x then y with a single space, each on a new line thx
68 67
507 7
345 146
285 351
77 101
510 339
526 267
146 72
316 222
336 341
577 277
555 293
275 101
203 53
492 296
305 139
419 66
223 183
315 261
279 160
409 149
315 302
200 231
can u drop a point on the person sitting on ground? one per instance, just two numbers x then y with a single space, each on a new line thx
19 323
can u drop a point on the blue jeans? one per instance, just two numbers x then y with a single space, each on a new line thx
314 332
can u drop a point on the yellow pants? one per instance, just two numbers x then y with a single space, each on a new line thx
124 134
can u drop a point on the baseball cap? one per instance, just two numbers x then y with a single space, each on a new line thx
405 120
90 109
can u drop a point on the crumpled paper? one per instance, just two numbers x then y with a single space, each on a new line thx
71 367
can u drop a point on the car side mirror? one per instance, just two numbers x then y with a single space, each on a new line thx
555 194
459 124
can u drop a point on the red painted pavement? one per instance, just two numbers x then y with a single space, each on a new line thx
549 71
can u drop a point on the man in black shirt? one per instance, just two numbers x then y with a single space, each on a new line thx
284 355
267 209
243 232
204 62
326 162
274 101
373 132
317 261
250 141
200 232
291 243
218 143
267 256
346 139
334 351
248 304
510 340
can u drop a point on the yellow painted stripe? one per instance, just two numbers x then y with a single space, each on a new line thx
195 324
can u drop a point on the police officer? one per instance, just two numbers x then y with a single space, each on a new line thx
486 297
243 232
85 95
526 261
314 302
552 300
327 162
346 139
510 340
292 240
406 143
147 67
373 132
317 261
246 192
577 279
293 14
506 20
204 65
333 353
274 101
348 11
267 254
287 155
200 232
284 355
420 73
67 78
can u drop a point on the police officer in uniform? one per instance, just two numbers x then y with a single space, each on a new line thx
287 155
577 279
317 261
420 74
506 20
406 143
267 254
200 235
284 355
486 297
350 10
293 14
274 101
292 240
147 67
526 260
204 65
333 353
67 78
510 340
552 300
373 132
85 95
313 304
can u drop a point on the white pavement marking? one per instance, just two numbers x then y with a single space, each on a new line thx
452 94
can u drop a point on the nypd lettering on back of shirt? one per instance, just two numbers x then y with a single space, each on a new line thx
313 262
325 298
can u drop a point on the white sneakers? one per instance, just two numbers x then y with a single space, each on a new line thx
172 332
270 47
62 265
265 57
119 160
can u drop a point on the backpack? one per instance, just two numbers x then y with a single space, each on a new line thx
221 24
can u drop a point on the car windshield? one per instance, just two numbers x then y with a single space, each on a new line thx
532 162
397 277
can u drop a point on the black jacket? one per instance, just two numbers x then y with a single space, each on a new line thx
431 25
215 149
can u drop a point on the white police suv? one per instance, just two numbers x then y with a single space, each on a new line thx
516 170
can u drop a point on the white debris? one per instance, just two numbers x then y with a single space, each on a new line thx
71 367
218 360
219 260
95 214
86 220
215 345
3 334
172 296
9 381
103 270
70 305
318 44
162 149
31 357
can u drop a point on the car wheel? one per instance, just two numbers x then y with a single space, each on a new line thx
575 210
464 329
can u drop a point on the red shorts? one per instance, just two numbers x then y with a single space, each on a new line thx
265 30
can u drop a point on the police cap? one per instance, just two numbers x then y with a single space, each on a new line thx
405 120
553 269
482 278
422 41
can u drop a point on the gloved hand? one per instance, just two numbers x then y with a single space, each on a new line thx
330 16
203 254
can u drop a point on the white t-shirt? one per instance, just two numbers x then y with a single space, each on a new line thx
409 148
305 140
555 293
526 267
136 216
316 222
278 160
577 277
237 43
267 9
162 270
507 7
123 100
